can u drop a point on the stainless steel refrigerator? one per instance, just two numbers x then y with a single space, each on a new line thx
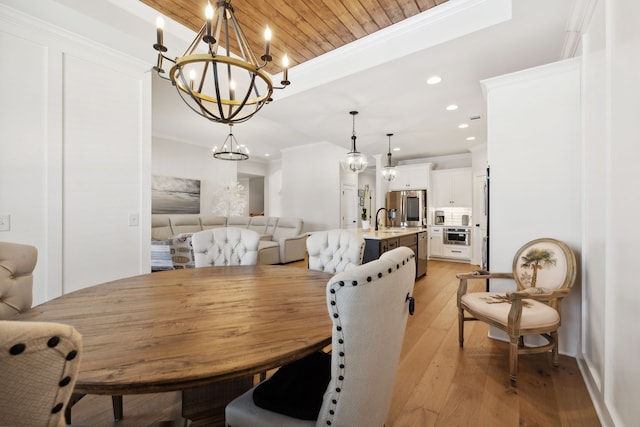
411 208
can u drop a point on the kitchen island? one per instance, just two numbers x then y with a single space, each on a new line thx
385 239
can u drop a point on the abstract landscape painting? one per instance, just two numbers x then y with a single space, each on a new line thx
171 195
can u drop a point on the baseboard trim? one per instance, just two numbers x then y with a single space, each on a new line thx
594 392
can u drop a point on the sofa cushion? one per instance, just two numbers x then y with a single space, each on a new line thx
182 251
160 227
161 255
185 224
268 252
238 221
212 221
287 227
258 224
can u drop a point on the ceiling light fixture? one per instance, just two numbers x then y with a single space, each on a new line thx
213 83
231 150
471 138
452 107
463 126
434 80
354 161
389 172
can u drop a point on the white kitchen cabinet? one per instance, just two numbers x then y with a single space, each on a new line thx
453 188
457 252
411 177
435 242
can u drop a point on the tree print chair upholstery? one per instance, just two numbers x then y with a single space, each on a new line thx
544 271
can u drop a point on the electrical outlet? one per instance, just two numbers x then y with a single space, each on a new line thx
134 220
5 222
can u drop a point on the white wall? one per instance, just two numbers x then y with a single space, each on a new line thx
595 182
612 240
74 145
622 382
311 185
273 187
171 158
533 150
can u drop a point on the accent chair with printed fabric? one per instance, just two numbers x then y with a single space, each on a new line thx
544 271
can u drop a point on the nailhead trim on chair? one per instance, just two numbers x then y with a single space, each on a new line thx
19 348
340 350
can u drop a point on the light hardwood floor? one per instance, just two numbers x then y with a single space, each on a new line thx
438 384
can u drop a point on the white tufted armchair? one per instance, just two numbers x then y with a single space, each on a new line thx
16 278
225 246
368 306
333 251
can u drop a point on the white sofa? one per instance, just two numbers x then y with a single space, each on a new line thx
281 238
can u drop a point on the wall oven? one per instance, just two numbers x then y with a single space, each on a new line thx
457 236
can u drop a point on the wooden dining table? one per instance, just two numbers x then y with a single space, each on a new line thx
204 331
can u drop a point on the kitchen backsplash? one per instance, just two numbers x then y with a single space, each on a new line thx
453 216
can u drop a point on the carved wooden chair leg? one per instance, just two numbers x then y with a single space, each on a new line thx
554 349
513 359
461 327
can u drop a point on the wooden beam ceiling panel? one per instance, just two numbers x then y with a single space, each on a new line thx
303 29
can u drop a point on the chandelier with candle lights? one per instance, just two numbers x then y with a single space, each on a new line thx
218 76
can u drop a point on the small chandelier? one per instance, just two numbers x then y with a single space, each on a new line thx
231 150
389 172
354 161
213 83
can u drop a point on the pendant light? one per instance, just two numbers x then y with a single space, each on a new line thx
354 161
389 172
230 149
218 76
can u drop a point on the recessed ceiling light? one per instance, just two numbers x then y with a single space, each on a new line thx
396 149
463 126
452 107
267 155
471 138
434 80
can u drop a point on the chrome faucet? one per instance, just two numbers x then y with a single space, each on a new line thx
385 209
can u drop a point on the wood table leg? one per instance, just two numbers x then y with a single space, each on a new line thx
117 407
204 406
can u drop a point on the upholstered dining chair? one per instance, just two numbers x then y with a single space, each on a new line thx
39 362
353 386
333 251
544 271
225 246
17 263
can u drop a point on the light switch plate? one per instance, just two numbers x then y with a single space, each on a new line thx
134 220
5 222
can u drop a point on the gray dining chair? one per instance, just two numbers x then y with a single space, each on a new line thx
225 246
353 386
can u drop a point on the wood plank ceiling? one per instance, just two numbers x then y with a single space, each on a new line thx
303 29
